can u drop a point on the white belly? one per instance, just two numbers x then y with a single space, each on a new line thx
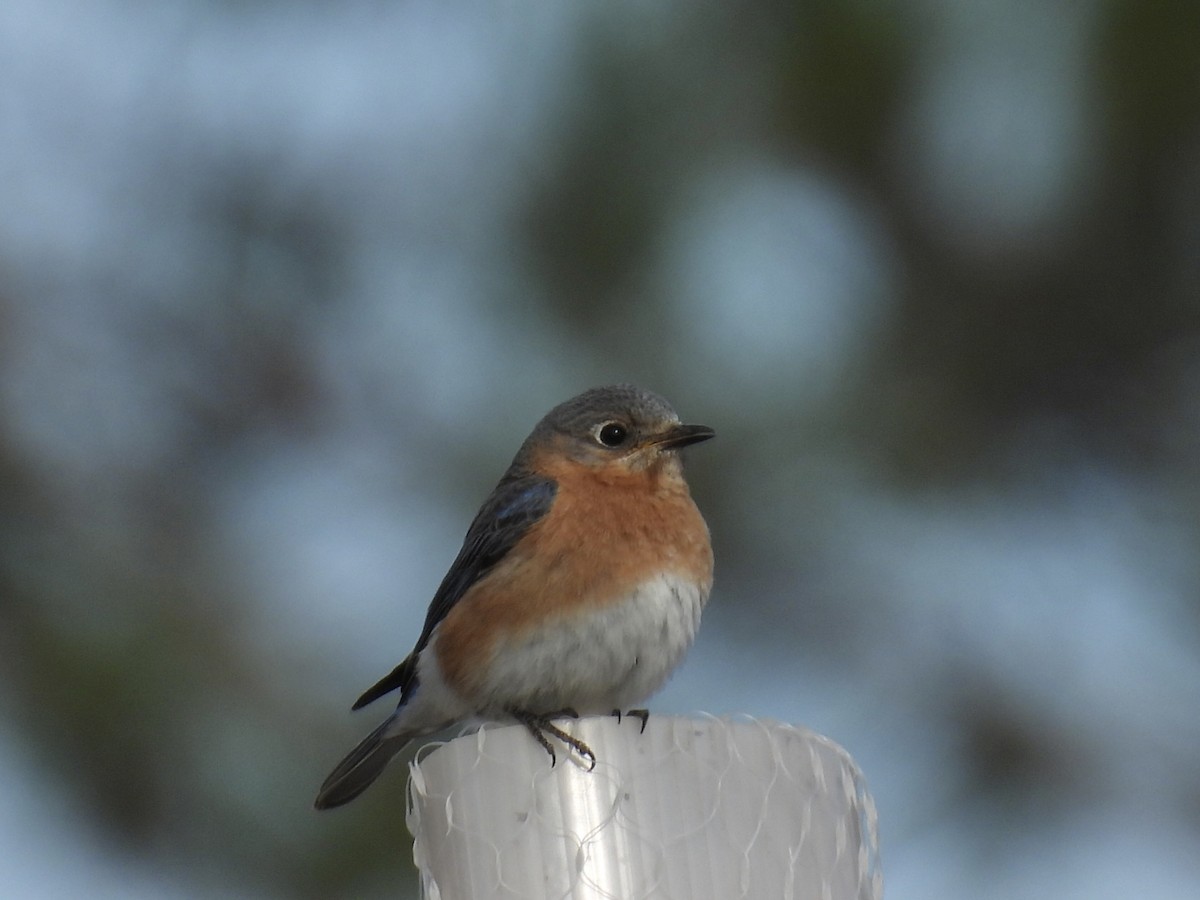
613 658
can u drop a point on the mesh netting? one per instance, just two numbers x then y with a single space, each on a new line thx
692 809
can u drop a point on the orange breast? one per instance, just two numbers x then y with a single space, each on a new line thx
608 531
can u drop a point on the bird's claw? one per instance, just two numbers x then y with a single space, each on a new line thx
643 714
540 725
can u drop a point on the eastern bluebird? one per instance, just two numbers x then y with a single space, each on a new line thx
577 590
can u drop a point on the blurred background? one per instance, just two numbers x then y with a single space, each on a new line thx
284 285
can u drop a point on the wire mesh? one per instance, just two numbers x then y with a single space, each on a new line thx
692 809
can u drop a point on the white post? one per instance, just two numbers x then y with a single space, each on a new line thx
692 809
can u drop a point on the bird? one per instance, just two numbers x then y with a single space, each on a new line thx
577 591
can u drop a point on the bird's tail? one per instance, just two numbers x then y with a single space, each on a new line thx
362 765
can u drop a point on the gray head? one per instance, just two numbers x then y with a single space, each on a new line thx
618 424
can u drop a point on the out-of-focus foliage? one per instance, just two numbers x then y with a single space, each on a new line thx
282 288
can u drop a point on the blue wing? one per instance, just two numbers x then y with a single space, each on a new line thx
517 503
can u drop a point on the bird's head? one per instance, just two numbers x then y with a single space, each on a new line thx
617 429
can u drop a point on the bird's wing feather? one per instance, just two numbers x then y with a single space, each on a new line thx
518 502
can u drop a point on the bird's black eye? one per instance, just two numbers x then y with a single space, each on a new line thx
612 434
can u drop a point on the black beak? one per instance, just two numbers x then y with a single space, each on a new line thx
683 435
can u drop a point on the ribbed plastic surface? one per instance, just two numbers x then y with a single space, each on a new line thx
692 809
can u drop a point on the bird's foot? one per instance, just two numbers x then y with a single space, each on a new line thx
539 725
642 714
